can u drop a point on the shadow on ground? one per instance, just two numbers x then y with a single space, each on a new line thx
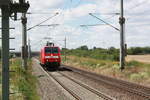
53 69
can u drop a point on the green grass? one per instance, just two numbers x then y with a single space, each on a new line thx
99 53
89 63
134 71
133 64
138 71
0 80
22 82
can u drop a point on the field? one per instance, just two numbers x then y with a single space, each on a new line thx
135 71
140 58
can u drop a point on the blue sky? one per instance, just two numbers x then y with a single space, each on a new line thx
73 13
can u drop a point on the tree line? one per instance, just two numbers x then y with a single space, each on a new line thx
111 53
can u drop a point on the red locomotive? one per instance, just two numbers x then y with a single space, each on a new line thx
50 56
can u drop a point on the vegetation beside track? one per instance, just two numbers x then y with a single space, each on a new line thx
135 71
0 80
96 53
111 53
22 82
106 61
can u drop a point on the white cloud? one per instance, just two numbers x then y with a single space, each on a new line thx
137 24
45 4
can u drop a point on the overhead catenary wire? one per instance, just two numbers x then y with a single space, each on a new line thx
106 13
42 22
130 11
78 3
37 42
110 17
31 13
127 10
53 25
133 7
38 45
50 25
92 25
137 5
104 22
42 43
45 20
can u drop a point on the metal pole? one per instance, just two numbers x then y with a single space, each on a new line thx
29 50
24 41
122 44
65 47
5 53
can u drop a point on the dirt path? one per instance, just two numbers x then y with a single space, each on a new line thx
140 58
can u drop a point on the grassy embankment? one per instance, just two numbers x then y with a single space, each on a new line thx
135 71
22 83
0 81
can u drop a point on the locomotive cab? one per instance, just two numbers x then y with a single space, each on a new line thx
50 56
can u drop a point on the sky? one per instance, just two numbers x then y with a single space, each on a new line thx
74 13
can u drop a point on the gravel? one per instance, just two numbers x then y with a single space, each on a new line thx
47 88
112 91
80 91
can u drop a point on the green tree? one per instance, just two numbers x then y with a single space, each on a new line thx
84 47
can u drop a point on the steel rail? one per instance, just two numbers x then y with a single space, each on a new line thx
129 84
111 81
50 75
60 83
100 94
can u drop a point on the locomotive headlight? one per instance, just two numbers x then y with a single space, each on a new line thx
55 57
51 57
47 56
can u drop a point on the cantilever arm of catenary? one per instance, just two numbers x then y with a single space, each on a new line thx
104 22
42 22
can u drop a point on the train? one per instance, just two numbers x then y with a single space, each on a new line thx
50 56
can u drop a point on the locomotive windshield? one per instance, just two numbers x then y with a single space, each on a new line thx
51 50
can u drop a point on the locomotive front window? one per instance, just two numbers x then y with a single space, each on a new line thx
51 50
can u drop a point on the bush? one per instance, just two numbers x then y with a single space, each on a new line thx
96 53
133 63
138 50
139 76
135 77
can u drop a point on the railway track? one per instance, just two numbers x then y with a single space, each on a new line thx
60 78
135 89
73 93
123 85
68 90
100 94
